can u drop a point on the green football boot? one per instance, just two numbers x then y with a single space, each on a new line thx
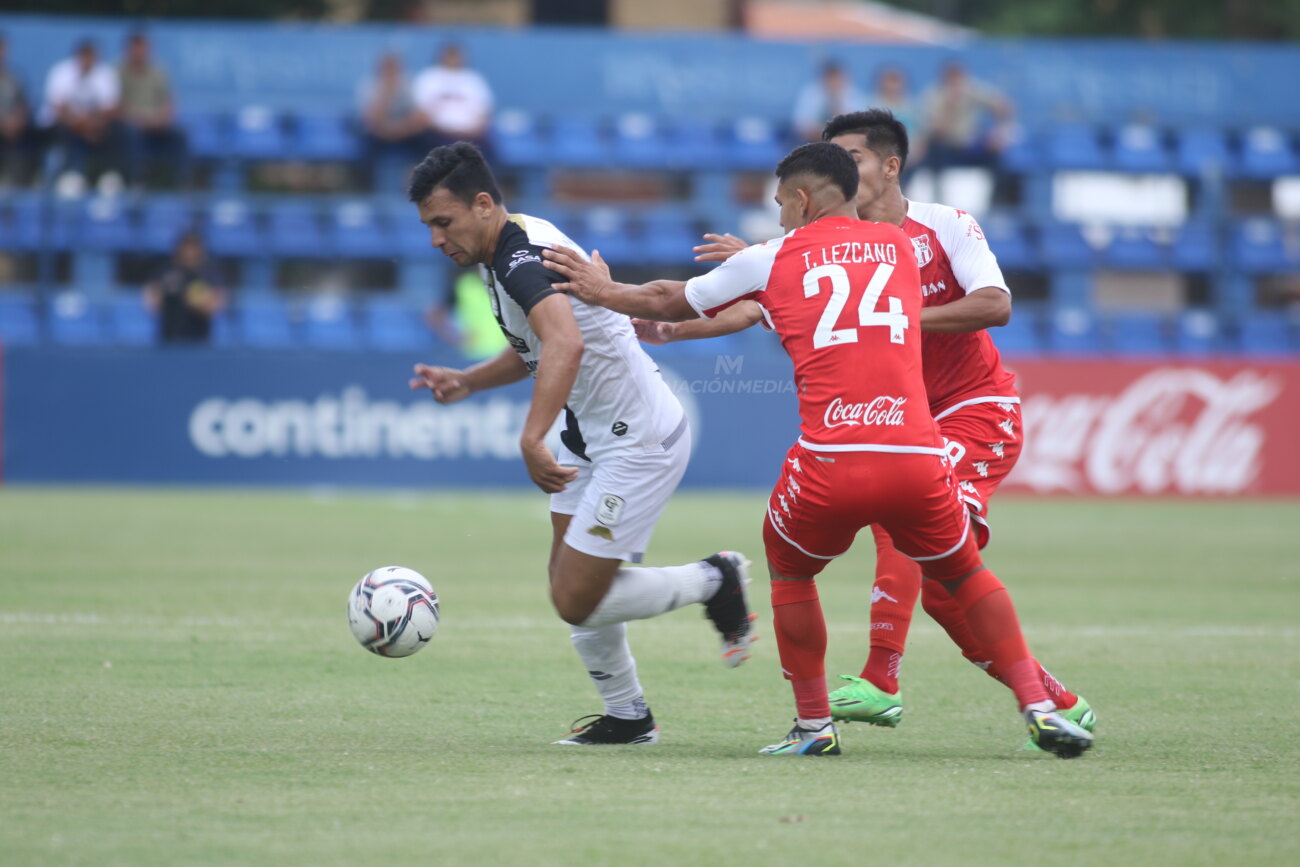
1081 715
1055 734
862 701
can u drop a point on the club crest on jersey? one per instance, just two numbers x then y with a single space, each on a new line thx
921 245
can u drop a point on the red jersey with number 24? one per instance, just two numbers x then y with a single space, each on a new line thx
845 297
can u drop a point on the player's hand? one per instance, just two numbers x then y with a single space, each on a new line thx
654 333
720 248
447 384
543 469
586 280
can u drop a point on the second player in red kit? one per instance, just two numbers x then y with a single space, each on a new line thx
845 296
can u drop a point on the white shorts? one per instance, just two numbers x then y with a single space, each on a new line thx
617 498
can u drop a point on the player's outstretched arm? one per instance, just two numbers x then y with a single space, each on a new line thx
988 307
450 385
735 318
719 248
662 300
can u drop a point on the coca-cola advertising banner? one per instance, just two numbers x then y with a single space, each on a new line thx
1130 428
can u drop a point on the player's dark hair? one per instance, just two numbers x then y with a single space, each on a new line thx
459 169
886 134
824 160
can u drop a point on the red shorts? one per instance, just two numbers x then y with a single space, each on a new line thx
823 499
984 443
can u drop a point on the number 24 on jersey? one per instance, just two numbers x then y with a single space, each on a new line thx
826 334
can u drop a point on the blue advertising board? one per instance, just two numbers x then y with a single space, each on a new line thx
293 418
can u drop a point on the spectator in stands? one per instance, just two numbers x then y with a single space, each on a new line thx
965 121
187 295
463 318
81 97
388 111
833 93
455 100
13 123
146 111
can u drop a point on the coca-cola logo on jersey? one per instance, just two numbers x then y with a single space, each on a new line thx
1171 431
881 411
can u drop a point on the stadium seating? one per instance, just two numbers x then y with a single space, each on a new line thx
1138 334
1201 151
1264 334
389 325
1135 249
19 322
264 323
130 323
1022 335
1064 247
106 224
1076 147
517 139
1073 331
638 142
163 219
357 229
22 223
1266 152
1197 333
1195 248
324 137
258 134
76 321
232 230
329 324
579 141
754 143
1139 148
295 229
1260 248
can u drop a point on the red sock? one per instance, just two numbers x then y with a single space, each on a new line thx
940 605
893 598
801 642
993 622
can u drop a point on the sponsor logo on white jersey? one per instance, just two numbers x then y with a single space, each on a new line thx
921 246
882 411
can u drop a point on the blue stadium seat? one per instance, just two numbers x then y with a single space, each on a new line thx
579 141
394 326
1264 333
1063 246
264 323
19 323
358 231
1010 243
258 134
1073 331
224 331
1023 153
1258 247
1140 149
1197 333
638 142
131 323
207 135
1138 334
295 230
76 321
326 137
22 223
668 238
693 143
1022 335
233 230
517 139
1195 248
1201 150
754 143
609 231
1266 152
1135 249
1075 146
163 219
106 224
330 324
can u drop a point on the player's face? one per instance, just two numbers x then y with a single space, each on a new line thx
456 229
875 175
794 202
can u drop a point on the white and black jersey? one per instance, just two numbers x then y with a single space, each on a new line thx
619 399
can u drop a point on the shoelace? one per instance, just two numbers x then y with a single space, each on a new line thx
578 726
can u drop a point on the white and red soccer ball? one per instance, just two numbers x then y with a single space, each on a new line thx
393 611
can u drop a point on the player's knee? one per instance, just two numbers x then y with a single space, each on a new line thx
573 608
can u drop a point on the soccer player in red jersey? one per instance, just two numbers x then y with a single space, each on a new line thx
972 396
845 297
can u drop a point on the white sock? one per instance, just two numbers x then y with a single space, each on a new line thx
648 591
609 661
1041 706
813 725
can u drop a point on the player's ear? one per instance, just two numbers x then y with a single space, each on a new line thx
483 204
893 166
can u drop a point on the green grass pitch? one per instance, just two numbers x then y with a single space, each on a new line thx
179 686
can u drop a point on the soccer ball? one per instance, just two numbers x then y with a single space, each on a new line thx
393 611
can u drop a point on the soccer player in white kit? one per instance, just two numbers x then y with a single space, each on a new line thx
626 440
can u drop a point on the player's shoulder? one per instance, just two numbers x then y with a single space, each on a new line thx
951 225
